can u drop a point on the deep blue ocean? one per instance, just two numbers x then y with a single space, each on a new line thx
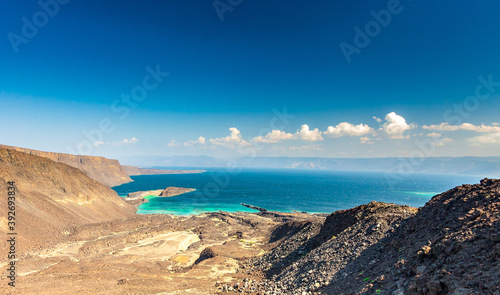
286 190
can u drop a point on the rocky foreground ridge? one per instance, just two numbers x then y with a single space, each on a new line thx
449 246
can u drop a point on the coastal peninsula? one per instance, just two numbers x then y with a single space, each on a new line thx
140 197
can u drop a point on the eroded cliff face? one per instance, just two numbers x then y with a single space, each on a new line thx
52 197
106 171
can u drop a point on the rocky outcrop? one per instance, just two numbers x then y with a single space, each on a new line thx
131 170
106 171
174 191
449 246
51 197
311 253
254 207
168 192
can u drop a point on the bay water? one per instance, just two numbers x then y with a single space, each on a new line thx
286 190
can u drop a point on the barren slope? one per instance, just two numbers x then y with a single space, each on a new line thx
450 246
51 197
106 171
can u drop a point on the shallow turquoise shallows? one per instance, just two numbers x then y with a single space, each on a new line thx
289 189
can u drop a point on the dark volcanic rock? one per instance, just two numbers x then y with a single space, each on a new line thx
450 246
445 248
254 207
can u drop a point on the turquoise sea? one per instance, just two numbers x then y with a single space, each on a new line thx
288 189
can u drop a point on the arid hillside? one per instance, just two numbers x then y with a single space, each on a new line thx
51 197
106 171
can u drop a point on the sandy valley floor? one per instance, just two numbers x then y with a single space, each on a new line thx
155 254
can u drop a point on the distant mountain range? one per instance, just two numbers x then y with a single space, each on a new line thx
482 166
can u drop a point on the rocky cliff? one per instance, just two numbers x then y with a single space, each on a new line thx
51 197
106 171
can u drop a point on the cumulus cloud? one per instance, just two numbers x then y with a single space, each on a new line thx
308 135
172 143
133 140
486 139
377 119
130 141
366 140
434 135
200 140
313 147
304 133
465 126
444 141
396 125
493 136
273 137
234 139
348 129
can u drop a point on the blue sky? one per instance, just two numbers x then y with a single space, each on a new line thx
421 70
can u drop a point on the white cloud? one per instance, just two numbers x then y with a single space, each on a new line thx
396 125
172 143
444 141
303 134
308 135
313 147
133 140
200 140
349 129
366 140
465 126
98 143
486 139
232 140
377 119
492 137
434 134
273 136
130 141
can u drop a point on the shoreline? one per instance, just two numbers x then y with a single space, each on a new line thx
241 252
